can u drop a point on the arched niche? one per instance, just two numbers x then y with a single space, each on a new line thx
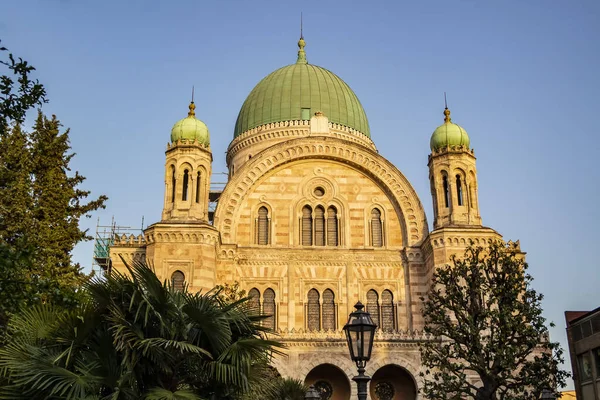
329 379
392 382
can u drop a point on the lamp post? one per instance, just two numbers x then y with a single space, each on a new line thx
312 394
360 332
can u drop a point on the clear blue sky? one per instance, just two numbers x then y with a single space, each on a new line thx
521 76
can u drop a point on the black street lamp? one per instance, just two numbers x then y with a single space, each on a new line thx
360 332
312 394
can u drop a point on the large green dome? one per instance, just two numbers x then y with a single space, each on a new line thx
448 134
296 92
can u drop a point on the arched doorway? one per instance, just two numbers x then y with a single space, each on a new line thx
392 382
330 381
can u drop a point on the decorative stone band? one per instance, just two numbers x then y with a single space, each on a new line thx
188 143
452 149
292 130
129 240
396 336
183 237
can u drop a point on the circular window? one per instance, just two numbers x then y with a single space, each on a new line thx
384 391
319 191
325 390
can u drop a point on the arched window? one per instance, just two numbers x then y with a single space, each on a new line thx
186 178
198 187
173 182
263 226
319 226
446 191
376 228
254 300
307 225
178 280
328 310
459 191
313 311
373 306
332 227
269 308
387 312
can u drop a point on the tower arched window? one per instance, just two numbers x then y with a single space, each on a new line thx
388 315
262 231
313 311
446 190
373 306
186 181
319 226
178 280
269 308
328 310
376 228
173 182
198 187
254 300
307 225
459 190
332 226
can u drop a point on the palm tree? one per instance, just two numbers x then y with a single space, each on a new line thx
134 338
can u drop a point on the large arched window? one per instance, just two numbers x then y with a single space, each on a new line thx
313 311
328 310
262 231
178 280
319 226
254 300
198 187
376 228
446 190
173 182
307 225
388 320
332 226
269 308
459 190
186 181
373 306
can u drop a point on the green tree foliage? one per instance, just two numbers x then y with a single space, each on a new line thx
18 92
40 208
230 292
488 323
134 338
40 203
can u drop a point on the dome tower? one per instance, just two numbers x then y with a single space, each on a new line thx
188 170
284 104
453 176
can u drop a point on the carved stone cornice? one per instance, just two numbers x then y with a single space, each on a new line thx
309 256
461 237
181 232
301 338
287 130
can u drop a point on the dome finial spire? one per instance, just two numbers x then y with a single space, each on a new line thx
192 107
301 44
447 118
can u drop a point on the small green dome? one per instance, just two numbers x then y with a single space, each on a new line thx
190 128
295 92
448 134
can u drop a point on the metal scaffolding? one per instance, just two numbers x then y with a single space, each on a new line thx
105 238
